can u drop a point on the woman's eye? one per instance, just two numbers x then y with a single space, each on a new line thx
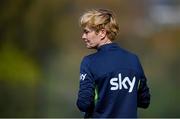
86 31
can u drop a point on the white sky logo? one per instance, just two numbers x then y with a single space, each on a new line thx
82 77
119 83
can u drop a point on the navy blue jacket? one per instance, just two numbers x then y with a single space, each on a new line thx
112 84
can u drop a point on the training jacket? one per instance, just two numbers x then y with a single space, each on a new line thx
112 84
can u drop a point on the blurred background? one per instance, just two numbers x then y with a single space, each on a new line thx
41 50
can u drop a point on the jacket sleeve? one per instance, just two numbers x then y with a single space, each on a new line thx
143 90
85 100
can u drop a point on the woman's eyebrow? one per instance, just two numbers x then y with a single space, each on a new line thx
86 30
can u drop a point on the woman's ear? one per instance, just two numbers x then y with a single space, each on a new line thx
102 33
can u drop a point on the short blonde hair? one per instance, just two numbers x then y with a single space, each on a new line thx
98 19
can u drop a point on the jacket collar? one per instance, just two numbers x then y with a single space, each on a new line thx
108 46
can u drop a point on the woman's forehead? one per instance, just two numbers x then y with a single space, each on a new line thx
87 29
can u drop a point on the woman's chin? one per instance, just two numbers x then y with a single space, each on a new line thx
88 46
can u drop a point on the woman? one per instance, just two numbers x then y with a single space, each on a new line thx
112 81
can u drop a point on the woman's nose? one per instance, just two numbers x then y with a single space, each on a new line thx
83 36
